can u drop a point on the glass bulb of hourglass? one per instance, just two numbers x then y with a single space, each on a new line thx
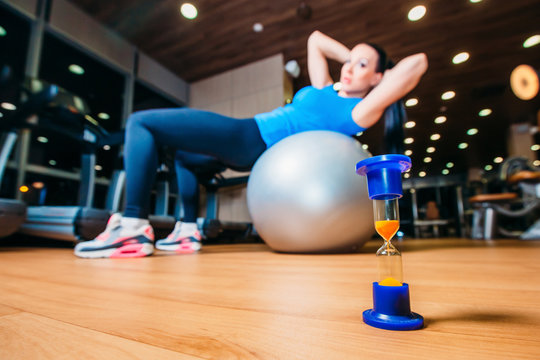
386 216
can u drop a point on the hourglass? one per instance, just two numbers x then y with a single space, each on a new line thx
391 302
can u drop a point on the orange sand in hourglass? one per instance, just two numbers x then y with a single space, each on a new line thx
387 228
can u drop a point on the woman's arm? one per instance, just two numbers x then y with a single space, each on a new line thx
320 48
395 84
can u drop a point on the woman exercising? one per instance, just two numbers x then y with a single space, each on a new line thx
368 87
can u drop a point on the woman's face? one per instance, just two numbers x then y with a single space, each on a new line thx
358 74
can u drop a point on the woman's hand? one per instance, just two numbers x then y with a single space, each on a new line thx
321 47
395 84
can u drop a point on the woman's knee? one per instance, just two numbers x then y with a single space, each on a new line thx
138 119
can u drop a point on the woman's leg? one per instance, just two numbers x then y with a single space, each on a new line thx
236 143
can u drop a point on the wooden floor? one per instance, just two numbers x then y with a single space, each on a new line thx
481 300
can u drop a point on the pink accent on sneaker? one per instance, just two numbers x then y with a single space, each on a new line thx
129 251
120 239
149 232
185 249
103 236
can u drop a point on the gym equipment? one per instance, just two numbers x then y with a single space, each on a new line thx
391 302
523 177
303 197
66 114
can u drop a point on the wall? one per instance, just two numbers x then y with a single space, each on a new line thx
241 93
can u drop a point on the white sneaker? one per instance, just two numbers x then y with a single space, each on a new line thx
118 241
184 239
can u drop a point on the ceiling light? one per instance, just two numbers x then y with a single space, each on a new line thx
498 160
536 163
8 106
104 116
98 167
411 102
430 149
475 1
448 95
76 69
422 173
3 31
258 27
416 13
106 147
427 159
42 139
337 86
188 11
1 115
449 165
410 124
365 146
440 119
408 140
525 82
460 58
408 152
463 146
533 40
535 147
472 131
484 112
435 137
445 172
407 175
38 185
24 189
488 167
52 162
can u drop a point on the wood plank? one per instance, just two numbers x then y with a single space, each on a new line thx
7 310
243 301
29 336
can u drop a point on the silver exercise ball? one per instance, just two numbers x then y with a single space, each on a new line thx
304 195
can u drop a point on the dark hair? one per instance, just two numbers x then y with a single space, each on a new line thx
384 63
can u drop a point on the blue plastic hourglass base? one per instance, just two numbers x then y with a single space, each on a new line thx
413 321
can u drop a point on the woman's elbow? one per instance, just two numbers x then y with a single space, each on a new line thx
421 61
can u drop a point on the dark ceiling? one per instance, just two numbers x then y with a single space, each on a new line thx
492 31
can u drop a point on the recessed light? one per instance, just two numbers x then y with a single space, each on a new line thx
407 175
488 167
416 13
430 149
52 162
8 106
410 124
408 152
98 167
445 172
484 112
23 188
189 11
411 102
475 1
449 165
104 116
536 163
427 159
531 41
435 137
3 31
258 27
365 146
535 147
422 173
76 69
440 119
498 160
448 95
42 139
472 131
460 58
106 147
463 146
408 140
337 87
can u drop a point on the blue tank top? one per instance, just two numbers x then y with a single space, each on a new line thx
311 109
